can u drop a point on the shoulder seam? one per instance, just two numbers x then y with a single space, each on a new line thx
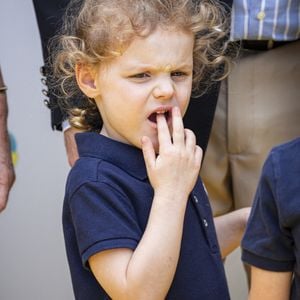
100 182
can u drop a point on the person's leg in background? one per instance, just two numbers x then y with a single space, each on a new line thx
215 170
260 109
264 110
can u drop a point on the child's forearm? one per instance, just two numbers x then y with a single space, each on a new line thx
153 264
230 229
148 271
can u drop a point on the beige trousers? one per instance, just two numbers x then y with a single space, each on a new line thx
258 107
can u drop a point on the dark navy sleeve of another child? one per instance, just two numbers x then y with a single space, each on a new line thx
268 243
103 219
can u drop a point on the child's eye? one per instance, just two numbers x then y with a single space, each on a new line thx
178 74
140 76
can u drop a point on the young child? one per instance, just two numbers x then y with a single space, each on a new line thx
137 221
271 244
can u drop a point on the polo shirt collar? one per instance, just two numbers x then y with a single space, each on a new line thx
127 157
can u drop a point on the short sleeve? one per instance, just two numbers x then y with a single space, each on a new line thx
267 243
103 219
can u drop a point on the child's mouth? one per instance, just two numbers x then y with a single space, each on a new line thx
153 117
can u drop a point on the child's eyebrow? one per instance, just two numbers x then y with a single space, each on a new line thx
162 68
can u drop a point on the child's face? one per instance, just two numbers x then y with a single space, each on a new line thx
153 75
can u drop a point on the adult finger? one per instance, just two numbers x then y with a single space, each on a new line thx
70 145
3 197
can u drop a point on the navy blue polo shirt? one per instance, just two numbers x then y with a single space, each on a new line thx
272 237
107 203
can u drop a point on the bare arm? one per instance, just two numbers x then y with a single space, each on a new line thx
230 229
268 285
148 271
7 174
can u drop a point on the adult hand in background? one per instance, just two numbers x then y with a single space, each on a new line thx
7 178
7 173
70 144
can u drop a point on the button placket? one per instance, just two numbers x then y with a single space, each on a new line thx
205 223
207 229
195 199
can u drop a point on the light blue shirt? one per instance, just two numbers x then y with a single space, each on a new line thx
277 20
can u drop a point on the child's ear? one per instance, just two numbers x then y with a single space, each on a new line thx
86 76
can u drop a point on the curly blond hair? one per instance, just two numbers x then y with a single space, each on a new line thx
97 30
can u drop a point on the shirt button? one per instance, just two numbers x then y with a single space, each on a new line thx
261 15
205 190
205 223
195 199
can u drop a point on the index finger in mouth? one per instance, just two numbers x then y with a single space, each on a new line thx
164 137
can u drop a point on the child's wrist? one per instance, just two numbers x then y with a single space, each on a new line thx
173 197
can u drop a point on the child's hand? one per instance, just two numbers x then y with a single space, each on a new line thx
173 173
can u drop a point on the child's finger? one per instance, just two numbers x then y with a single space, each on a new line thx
178 128
148 152
190 139
164 137
198 156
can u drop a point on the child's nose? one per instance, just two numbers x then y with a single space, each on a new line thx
164 89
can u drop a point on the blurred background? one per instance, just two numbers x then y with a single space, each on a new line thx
33 263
